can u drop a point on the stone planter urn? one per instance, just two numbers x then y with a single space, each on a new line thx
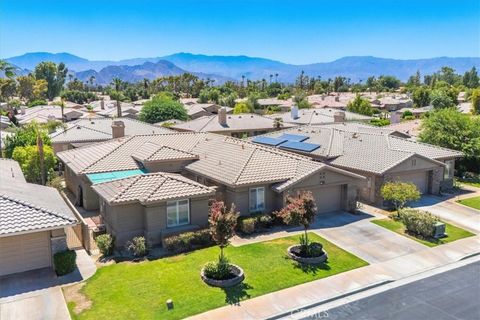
237 276
294 252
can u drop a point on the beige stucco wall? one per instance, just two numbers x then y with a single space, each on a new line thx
172 166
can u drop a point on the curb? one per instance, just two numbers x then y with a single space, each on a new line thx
468 256
341 296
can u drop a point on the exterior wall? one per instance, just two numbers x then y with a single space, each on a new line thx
90 197
127 221
58 240
173 166
241 198
58 147
445 183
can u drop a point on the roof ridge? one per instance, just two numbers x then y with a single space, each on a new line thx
155 188
106 155
27 204
423 144
213 116
134 180
244 165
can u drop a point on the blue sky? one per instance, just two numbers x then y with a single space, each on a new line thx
290 31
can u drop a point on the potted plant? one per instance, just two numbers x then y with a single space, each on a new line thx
301 210
222 222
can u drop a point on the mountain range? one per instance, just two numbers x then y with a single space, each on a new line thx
223 68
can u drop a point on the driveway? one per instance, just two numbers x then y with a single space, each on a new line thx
449 210
356 234
32 295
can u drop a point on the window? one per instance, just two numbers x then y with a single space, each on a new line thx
178 213
257 199
448 171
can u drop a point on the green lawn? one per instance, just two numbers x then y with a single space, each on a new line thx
453 232
471 202
139 290
475 183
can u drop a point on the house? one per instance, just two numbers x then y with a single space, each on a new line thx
108 108
87 131
282 105
411 129
197 110
43 114
378 155
156 185
337 101
392 103
33 219
235 125
317 116
416 112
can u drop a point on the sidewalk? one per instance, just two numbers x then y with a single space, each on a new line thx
282 302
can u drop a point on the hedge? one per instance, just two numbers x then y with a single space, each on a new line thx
64 262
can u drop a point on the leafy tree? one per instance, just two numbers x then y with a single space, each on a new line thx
470 78
301 101
37 102
448 75
162 107
421 97
8 88
25 136
360 105
7 69
440 99
452 129
399 193
54 75
222 224
242 107
29 159
389 82
25 88
80 97
300 210
40 89
76 85
475 99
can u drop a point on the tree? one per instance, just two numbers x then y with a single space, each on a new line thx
29 159
242 107
452 129
222 224
300 210
361 106
278 123
162 107
475 98
40 89
440 99
54 75
7 69
8 88
25 136
470 78
117 95
26 86
400 193
421 97
389 82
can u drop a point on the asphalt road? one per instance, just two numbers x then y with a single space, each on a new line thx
452 295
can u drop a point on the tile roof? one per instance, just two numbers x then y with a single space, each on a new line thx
316 116
149 152
10 171
43 114
238 122
151 188
100 129
364 149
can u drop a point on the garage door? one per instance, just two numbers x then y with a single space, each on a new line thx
24 252
328 199
419 179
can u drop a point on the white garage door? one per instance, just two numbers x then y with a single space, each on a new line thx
419 179
328 199
24 252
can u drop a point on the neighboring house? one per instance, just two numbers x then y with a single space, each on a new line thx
197 110
87 131
108 108
235 125
33 219
410 128
4 122
417 112
183 167
378 155
337 101
283 105
392 103
317 116
43 114
465 107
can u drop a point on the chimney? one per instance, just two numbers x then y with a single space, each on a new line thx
294 112
22 109
339 117
337 98
118 129
395 117
102 104
222 116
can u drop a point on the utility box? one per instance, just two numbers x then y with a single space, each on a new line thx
439 230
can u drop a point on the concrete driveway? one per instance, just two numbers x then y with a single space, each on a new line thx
32 295
449 210
356 234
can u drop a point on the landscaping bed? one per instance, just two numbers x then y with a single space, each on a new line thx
471 202
126 290
453 232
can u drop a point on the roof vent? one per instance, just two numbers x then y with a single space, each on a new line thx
78 127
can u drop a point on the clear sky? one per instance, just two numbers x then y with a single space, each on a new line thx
289 31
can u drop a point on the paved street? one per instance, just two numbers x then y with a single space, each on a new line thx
447 296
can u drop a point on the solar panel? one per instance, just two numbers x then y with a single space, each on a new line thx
301 146
293 137
269 141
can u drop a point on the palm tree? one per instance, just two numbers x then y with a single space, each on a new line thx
276 77
243 79
117 82
278 123
271 77
7 69
91 80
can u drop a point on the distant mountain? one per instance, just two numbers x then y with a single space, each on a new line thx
148 70
222 68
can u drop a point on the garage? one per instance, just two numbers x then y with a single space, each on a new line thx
420 179
328 199
25 252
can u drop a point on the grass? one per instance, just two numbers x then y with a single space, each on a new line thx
471 202
139 290
453 232
473 183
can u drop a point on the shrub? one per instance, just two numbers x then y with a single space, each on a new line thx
64 262
218 270
137 246
400 193
379 122
407 113
247 225
418 222
105 244
265 221
39 102
188 241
